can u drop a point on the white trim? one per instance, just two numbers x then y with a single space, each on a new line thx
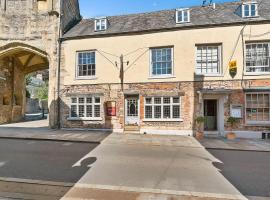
255 123
151 76
182 11
162 77
171 104
167 132
250 4
220 60
77 77
163 120
100 20
84 119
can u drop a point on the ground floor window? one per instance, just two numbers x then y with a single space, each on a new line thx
87 107
258 107
162 108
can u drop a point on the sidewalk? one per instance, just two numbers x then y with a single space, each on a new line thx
39 130
237 144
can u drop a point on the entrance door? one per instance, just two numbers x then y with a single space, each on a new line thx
132 110
210 113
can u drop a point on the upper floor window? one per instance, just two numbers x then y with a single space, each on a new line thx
100 24
258 108
161 61
183 15
208 60
257 57
86 64
250 9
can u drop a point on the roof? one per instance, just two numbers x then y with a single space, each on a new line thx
163 20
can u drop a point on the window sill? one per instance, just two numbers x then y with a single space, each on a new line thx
256 73
163 120
262 123
209 75
162 77
84 119
86 78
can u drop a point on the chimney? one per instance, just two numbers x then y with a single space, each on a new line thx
214 6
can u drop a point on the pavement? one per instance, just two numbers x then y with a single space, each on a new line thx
39 130
136 165
237 144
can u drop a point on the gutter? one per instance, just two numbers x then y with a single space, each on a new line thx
141 32
59 67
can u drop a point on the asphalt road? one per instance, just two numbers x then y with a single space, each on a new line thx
248 171
44 160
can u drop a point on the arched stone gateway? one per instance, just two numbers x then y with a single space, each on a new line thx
29 42
16 61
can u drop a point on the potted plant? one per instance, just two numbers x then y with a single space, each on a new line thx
200 127
232 121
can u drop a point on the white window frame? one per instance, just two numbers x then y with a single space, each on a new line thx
151 75
249 4
182 11
256 73
248 122
162 119
99 21
220 59
78 77
93 104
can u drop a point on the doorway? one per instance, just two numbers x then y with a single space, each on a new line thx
132 110
210 113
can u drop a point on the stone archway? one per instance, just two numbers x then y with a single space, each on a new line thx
16 61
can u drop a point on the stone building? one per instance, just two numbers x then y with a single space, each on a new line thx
156 72
29 33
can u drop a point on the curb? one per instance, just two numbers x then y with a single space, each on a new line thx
160 191
49 139
36 182
235 149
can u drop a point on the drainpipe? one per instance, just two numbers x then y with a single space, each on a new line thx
59 66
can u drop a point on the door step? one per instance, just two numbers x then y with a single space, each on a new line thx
132 129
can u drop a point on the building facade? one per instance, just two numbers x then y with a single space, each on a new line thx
29 33
154 73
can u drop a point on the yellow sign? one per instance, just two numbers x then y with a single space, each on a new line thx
233 64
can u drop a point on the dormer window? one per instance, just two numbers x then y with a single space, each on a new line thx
250 9
100 24
183 15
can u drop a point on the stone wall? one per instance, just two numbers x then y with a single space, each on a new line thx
25 23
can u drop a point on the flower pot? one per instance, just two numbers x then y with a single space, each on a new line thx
231 136
199 135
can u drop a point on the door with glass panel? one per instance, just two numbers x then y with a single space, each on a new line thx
132 110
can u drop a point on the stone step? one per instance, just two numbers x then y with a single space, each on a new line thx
132 132
132 128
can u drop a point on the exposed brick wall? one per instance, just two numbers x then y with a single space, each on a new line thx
188 91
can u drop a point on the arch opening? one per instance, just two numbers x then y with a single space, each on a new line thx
18 62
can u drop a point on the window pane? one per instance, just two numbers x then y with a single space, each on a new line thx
157 100
148 100
208 60
176 100
161 61
166 112
86 64
157 112
81 111
176 112
89 111
73 100
73 111
97 110
148 112
97 100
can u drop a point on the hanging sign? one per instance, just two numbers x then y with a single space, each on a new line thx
111 108
233 68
